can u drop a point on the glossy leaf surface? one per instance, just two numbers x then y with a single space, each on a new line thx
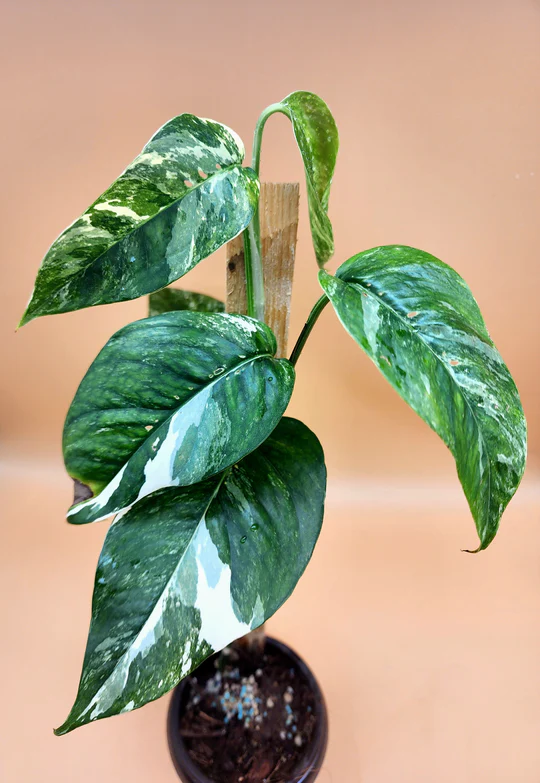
317 137
169 401
184 196
418 321
169 299
186 571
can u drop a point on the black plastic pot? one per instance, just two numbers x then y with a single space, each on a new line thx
308 766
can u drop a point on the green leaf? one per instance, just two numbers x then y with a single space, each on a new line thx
317 137
169 299
417 320
186 571
170 401
184 196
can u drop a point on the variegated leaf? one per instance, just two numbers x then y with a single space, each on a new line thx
169 299
184 196
417 320
186 571
170 401
317 138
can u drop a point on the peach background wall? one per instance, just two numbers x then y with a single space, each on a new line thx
438 107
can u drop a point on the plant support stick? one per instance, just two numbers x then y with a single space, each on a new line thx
279 224
278 210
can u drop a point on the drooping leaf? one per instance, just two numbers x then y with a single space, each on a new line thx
169 299
184 196
317 138
417 320
170 401
186 571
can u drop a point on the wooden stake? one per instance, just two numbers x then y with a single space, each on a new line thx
279 224
278 208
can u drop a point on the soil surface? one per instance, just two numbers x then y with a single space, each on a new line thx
247 722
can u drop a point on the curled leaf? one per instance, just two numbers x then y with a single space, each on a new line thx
317 137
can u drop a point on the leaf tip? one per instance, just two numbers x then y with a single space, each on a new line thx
480 548
32 309
26 318
486 536
73 721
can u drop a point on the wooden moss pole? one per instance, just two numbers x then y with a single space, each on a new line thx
278 209
279 223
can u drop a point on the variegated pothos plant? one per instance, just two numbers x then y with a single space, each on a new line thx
178 427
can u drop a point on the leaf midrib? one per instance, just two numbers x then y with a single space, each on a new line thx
196 186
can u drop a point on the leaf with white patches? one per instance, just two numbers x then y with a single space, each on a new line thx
169 299
189 570
418 321
169 401
183 197
317 137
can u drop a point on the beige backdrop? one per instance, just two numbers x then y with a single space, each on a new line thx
438 107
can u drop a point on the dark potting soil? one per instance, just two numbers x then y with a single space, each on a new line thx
246 722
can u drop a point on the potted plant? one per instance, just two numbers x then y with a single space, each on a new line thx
178 430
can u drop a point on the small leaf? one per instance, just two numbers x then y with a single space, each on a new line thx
169 299
317 138
417 320
170 401
182 198
187 571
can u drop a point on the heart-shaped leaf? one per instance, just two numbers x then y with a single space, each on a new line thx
417 320
186 571
184 196
169 299
170 401
317 137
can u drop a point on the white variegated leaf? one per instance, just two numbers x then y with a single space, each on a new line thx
418 321
183 197
317 137
170 401
186 571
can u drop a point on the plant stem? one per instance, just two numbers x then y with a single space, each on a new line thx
252 235
257 137
306 331
252 309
